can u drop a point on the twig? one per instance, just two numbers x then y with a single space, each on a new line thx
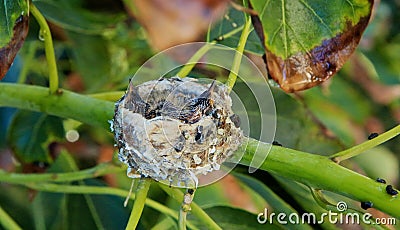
358 149
45 34
141 196
243 9
238 56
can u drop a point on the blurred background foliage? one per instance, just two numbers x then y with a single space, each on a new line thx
99 46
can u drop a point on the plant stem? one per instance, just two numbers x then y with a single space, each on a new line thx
194 59
141 196
177 195
98 170
358 149
325 204
7 222
238 56
45 34
97 190
310 169
108 96
322 173
200 53
68 104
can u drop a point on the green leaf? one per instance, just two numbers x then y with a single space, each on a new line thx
298 130
380 155
30 133
72 211
14 15
272 198
295 128
89 51
340 108
233 20
211 195
11 11
14 200
303 197
307 41
72 17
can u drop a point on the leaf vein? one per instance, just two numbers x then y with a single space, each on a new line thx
352 8
285 35
275 33
298 40
317 16
264 8
6 14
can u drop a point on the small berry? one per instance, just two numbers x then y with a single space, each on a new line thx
391 191
366 205
380 180
372 136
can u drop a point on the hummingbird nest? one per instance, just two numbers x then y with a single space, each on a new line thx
175 129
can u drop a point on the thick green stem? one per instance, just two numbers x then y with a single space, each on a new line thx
108 96
358 149
314 170
238 56
45 34
140 200
7 222
321 172
68 104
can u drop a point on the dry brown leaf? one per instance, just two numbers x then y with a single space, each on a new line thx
8 52
169 23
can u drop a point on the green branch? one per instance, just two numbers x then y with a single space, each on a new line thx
358 149
22 178
190 64
68 104
320 172
313 170
45 34
108 96
238 56
194 60
141 196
